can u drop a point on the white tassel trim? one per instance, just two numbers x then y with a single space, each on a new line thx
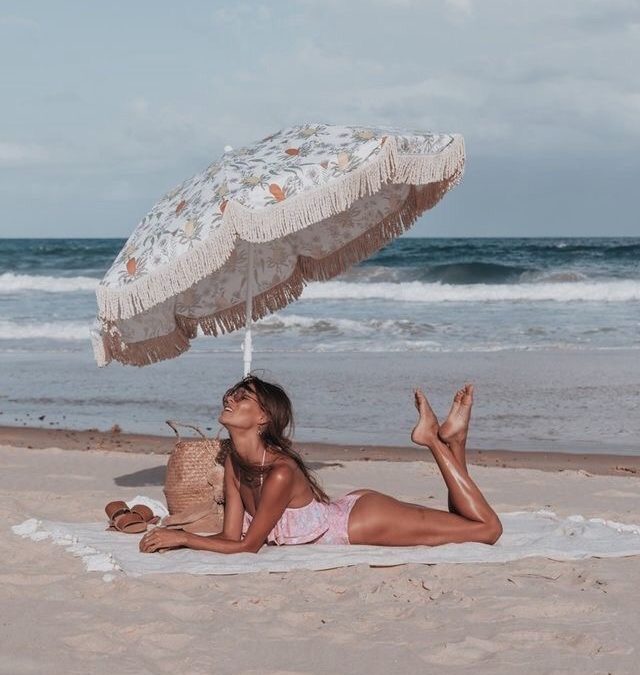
423 169
279 220
99 350
419 199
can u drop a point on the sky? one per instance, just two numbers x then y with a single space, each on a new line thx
107 105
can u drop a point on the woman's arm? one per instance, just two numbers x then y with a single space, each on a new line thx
233 506
276 495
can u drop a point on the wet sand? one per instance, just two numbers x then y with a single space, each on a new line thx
318 453
575 402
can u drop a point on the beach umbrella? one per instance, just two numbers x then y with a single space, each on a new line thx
242 238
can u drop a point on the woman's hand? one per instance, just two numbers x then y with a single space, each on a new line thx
162 537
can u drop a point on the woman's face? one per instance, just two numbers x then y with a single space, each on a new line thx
241 409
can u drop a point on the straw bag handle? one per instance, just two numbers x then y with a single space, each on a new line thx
173 423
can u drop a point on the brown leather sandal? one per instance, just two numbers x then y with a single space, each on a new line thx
145 513
113 509
130 523
132 520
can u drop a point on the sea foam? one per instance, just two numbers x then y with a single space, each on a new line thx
416 291
53 330
14 283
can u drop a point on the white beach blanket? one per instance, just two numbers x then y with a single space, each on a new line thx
526 534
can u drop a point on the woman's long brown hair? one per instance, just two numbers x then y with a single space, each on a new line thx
276 433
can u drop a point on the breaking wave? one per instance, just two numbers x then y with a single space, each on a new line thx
417 291
331 326
54 330
14 283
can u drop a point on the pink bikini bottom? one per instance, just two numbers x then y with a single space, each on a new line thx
338 514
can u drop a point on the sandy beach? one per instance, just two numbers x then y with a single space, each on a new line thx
534 615
354 202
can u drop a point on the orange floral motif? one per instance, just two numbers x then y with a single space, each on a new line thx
132 264
292 151
180 207
382 140
223 205
343 160
276 191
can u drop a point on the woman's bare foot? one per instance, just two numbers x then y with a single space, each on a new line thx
427 427
455 428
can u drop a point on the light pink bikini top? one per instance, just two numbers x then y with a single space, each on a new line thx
296 525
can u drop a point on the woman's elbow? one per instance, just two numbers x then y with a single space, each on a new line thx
250 546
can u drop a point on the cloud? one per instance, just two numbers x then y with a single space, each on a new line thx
139 107
14 21
240 12
22 154
554 79
119 191
606 17
459 8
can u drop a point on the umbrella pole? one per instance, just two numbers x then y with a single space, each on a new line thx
247 329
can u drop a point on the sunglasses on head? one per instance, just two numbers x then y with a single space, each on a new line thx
240 393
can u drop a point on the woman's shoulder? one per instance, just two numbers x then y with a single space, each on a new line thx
281 459
283 469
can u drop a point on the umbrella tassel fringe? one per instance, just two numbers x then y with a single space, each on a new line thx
141 353
420 199
302 210
148 292
283 218
430 178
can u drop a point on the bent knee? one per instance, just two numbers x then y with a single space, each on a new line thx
492 531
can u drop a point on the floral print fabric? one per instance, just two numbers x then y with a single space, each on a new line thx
299 161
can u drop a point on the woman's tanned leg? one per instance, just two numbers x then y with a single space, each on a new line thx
383 520
454 430
380 520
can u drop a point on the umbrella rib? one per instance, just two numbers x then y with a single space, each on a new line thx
249 312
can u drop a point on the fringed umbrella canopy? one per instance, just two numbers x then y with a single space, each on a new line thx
241 239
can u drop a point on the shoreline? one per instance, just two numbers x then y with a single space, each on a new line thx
322 453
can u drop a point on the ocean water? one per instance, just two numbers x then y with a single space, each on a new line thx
423 295
418 302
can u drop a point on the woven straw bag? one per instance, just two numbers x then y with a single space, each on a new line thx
194 482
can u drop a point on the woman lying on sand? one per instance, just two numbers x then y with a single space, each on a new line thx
271 496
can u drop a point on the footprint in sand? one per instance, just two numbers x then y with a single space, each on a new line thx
31 580
264 671
167 642
551 609
94 643
579 642
468 651
189 611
